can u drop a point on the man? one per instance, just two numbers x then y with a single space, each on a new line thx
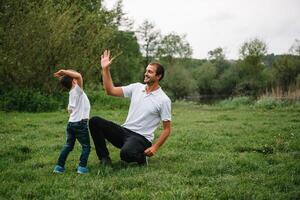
149 105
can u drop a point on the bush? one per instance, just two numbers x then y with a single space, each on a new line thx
267 102
36 101
236 102
99 99
31 101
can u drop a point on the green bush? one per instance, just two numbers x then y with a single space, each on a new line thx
236 102
270 103
31 101
99 99
36 101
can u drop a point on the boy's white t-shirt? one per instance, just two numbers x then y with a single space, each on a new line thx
79 105
146 110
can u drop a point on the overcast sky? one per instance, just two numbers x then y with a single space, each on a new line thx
209 24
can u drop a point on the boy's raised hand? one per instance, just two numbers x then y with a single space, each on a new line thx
59 73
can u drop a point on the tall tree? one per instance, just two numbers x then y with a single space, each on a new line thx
217 57
295 48
252 53
149 38
174 46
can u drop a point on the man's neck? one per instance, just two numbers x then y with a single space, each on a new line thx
152 87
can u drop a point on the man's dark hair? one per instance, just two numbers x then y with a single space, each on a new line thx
66 81
159 69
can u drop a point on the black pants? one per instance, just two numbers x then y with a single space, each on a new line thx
132 145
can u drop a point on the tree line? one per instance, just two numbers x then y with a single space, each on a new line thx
40 37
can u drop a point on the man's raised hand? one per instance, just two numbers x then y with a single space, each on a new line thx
105 59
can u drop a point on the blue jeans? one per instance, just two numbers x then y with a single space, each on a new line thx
76 130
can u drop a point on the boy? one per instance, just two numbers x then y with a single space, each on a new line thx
79 109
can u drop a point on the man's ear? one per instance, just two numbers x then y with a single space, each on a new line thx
158 76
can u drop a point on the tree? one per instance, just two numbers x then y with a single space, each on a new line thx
179 82
173 45
286 69
120 18
149 39
38 38
295 48
252 78
216 54
217 57
205 77
253 51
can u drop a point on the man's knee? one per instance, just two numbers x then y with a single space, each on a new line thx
128 155
125 155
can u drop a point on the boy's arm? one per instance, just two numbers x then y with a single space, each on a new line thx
77 76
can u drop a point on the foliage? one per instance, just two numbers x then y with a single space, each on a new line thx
41 37
205 77
253 51
100 100
173 45
178 82
268 102
127 68
216 54
149 39
295 48
235 102
31 101
286 69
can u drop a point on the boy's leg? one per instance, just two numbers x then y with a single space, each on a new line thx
102 129
68 147
133 149
82 134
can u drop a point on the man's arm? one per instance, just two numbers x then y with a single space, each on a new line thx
77 76
107 80
160 141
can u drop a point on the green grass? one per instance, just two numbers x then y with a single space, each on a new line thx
213 152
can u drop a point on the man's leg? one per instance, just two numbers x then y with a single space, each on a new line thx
102 129
68 147
133 149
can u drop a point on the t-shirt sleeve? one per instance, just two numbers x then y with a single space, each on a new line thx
165 111
128 90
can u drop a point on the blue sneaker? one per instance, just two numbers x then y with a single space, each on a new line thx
58 169
82 170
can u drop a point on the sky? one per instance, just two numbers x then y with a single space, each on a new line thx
209 24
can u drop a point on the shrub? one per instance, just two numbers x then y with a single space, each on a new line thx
99 99
236 102
268 102
30 101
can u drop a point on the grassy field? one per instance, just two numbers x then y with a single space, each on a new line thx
212 153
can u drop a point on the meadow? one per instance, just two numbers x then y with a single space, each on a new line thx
213 152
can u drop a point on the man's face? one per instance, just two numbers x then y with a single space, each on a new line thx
150 75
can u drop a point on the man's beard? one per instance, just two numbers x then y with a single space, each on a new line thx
149 81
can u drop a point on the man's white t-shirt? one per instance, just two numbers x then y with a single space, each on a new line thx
146 110
79 105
